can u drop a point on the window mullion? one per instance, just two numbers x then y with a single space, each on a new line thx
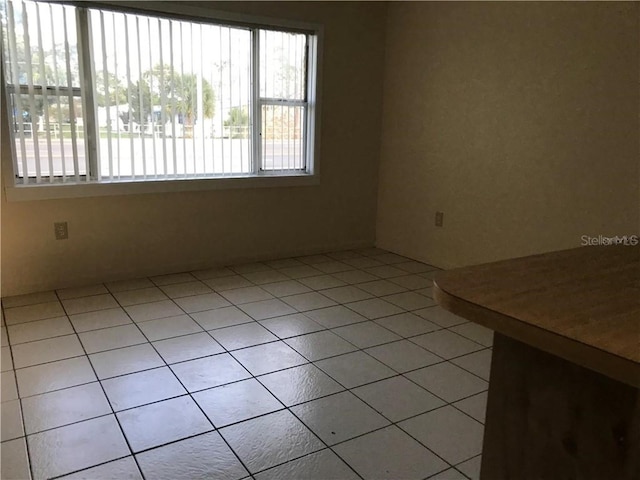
85 58
256 106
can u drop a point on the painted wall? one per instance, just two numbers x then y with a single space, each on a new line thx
518 120
120 237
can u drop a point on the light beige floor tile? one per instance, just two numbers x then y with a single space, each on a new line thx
354 369
122 469
283 289
9 388
204 456
221 317
333 267
308 301
44 351
30 313
471 468
339 417
268 358
15 463
11 421
355 276
141 295
169 327
125 360
300 384
397 398
40 330
154 310
381 287
166 421
236 402
475 332
67 293
179 290
301 271
366 334
200 303
267 309
209 372
320 282
269 440
265 276
109 338
89 304
29 299
187 347
112 317
385 271
475 406
374 308
241 336
410 300
440 316
346 294
407 324
6 362
239 296
53 376
220 284
449 433
136 389
446 344
319 345
291 325
336 316
390 454
323 465
63 407
448 381
478 363
55 452
403 356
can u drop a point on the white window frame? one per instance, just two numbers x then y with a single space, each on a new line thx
259 179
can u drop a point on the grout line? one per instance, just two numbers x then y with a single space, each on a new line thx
106 396
257 377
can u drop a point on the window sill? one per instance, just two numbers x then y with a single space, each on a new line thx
21 193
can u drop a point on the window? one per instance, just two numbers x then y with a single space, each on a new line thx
98 95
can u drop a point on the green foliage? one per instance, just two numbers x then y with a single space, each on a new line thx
238 117
117 94
180 92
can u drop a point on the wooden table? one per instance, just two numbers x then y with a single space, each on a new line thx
564 396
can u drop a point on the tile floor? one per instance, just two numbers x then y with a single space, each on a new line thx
336 366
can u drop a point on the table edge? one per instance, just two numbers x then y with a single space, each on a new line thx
606 363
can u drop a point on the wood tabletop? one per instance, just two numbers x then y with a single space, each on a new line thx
582 304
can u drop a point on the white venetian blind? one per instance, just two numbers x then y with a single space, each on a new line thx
106 96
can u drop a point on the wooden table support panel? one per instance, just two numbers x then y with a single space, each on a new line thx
548 418
564 399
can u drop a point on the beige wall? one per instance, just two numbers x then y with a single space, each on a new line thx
518 120
119 237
